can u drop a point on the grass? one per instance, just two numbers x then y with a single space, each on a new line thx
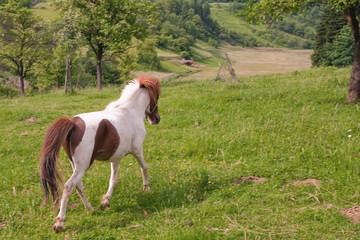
283 127
45 10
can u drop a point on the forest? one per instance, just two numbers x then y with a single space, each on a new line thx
79 44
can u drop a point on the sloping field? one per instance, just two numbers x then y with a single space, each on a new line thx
272 157
257 61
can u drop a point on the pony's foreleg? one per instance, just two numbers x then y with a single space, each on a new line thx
113 180
140 158
69 186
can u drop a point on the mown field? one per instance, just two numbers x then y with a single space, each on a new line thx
212 141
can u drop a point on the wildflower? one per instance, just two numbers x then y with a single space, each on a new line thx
349 136
59 169
349 130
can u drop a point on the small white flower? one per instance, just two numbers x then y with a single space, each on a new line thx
349 130
130 164
349 136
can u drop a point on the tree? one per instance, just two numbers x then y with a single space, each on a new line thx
108 26
341 50
22 39
147 55
329 27
266 11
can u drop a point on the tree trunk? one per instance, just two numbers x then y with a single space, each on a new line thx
57 83
21 77
22 87
70 75
98 75
66 75
354 85
99 55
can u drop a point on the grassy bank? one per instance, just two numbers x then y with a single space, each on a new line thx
281 127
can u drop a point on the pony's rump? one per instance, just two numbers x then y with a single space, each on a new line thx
49 174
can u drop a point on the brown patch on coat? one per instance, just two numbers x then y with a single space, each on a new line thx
352 213
74 137
250 178
107 141
306 182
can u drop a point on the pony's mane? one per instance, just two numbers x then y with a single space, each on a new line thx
151 84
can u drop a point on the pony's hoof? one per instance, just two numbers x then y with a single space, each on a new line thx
104 204
90 211
57 228
146 188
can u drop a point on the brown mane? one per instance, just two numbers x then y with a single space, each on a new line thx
152 85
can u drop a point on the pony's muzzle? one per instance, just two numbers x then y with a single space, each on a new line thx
157 119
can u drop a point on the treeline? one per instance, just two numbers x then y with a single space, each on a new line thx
184 21
90 43
102 40
334 43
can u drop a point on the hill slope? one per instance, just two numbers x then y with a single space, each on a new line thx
225 162
293 32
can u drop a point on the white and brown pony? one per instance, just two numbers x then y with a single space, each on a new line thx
106 135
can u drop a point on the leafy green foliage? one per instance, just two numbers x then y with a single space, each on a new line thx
109 26
22 3
147 55
7 91
328 29
182 22
23 39
341 51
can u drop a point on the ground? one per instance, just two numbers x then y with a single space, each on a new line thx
245 62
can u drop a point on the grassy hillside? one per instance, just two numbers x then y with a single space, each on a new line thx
212 137
261 35
46 10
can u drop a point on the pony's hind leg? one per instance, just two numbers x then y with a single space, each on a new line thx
69 186
87 204
80 191
113 180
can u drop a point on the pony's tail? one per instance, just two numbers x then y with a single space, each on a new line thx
49 174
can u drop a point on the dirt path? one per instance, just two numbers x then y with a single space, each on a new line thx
246 62
260 61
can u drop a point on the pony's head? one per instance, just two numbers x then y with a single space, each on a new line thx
153 87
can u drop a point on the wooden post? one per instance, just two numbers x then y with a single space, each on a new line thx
231 70
218 74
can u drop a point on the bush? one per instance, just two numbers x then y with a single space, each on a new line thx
213 43
7 92
147 55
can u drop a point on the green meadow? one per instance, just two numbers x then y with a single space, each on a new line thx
212 141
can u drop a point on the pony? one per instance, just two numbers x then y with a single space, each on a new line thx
106 135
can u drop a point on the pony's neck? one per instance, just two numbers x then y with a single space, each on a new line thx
133 98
